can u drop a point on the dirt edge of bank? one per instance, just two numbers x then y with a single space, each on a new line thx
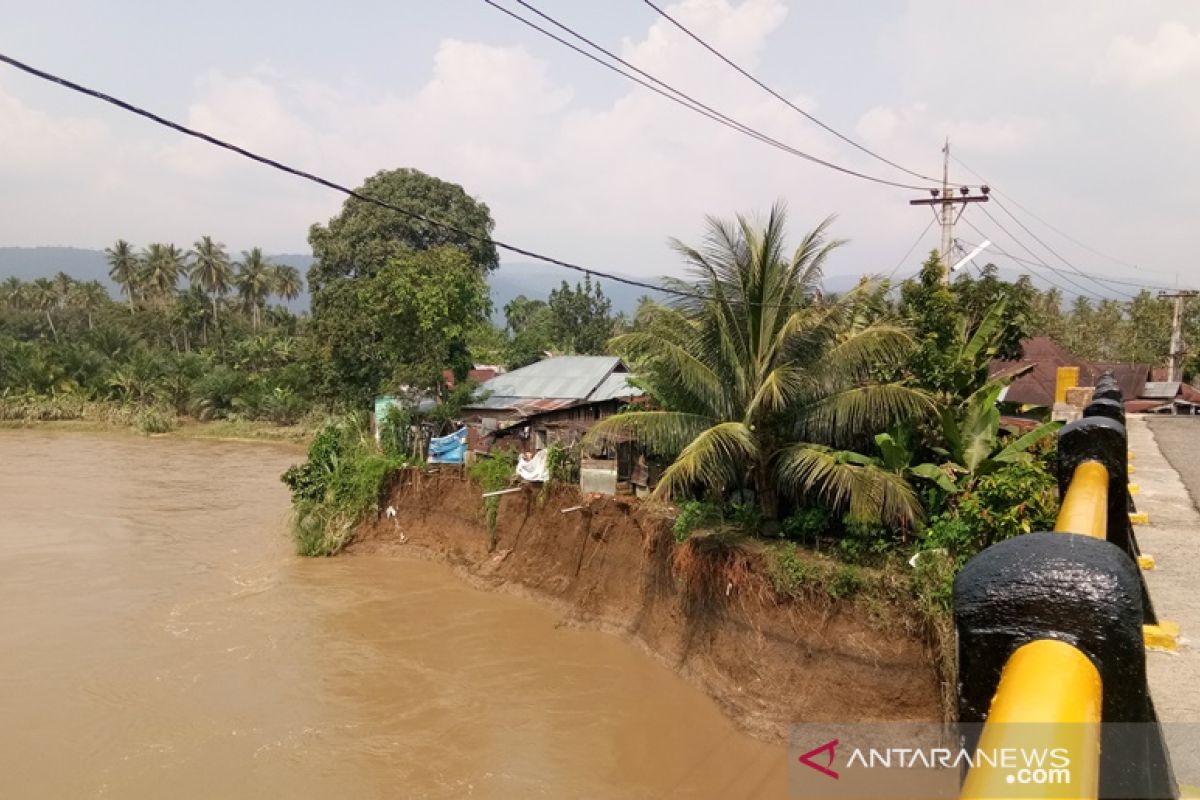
612 564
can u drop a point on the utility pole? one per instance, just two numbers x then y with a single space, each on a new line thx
1175 362
945 200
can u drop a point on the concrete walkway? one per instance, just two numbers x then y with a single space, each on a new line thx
1173 538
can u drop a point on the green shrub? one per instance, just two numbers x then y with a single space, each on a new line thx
865 541
694 514
846 581
282 406
155 420
563 463
1018 498
395 433
793 575
806 525
337 487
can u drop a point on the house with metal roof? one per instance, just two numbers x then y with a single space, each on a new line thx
556 401
552 399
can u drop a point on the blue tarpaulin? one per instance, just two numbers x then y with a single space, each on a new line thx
450 449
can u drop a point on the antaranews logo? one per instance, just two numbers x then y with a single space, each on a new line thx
907 763
829 749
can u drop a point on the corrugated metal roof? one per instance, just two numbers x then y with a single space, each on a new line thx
615 387
570 377
555 383
1161 389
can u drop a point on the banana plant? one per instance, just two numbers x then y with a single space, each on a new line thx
896 455
972 435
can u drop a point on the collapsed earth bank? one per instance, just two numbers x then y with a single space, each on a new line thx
704 608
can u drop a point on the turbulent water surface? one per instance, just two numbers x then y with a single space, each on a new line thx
158 639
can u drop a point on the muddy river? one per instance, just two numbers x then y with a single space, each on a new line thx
159 639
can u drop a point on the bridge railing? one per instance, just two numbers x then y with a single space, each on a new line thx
1051 631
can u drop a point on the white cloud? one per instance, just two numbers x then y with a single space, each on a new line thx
1173 51
604 178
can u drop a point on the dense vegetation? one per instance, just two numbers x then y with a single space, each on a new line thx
864 424
215 348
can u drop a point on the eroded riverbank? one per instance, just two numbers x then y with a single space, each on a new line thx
608 563
160 639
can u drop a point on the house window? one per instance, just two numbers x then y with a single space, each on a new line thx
539 439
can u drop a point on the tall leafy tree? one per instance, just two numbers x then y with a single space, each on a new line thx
211 271
581 318
764 384
124 268
364 237
400 327
364 241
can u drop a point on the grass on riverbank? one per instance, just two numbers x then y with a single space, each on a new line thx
76 414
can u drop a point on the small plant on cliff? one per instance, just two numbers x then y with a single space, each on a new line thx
562 462
493 474
336 488
395 433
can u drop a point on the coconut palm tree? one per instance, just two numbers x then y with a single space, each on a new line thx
286 281
44 297
254 283
124 268
64 286
764 382
162 266
211 271
91 297
13 293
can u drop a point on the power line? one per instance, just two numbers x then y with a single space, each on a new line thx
909 252
1061 273
196 134
1134 284
1094 279
1052 227
781 98
1054 270
277 165
1004 266
681 98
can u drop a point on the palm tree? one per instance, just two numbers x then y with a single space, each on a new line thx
766 383
64 286
91 297
211 271
124 268
162 266
286 281
13 293
44 296
253 282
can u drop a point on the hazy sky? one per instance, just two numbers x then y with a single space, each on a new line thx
1086 112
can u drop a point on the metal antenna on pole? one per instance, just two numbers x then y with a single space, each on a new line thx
946 200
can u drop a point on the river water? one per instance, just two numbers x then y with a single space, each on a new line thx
159 639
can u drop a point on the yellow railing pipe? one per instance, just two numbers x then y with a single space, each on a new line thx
1048 699
1084 508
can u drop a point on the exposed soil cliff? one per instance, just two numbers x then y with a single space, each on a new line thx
614 564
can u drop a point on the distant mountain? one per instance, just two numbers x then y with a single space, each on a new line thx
531 279
28 263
